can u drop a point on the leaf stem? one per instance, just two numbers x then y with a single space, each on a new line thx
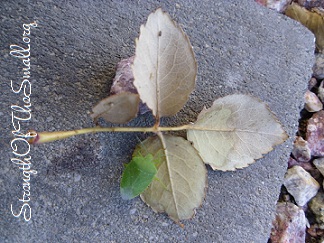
44 137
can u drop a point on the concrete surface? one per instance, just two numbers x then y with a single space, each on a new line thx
240 47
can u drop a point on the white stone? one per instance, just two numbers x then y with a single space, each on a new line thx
321 91
289 224
300 184
278 5
319 163
312 102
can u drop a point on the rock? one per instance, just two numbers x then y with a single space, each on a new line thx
319 163
305 165
289 224
315 231
300 184
308 166
318 68
123 81
312 83
292 162
312 102
309 4
315 134
317 207
301 151
278 5
321 91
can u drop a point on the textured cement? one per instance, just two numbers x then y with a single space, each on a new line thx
240 47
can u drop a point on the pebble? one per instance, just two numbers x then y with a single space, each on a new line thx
319 163
289 224
132 211
300 184
308 166
315 134
318 68
49 119
312 102
317 207
309 4
77 177
321 91
165 224
312 83
278 5
305 165
301 151
314 231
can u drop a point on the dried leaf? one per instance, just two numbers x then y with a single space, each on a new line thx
313 20
234 131
118 108
164 66
181 177
137 176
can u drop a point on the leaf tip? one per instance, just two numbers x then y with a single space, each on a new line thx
126 193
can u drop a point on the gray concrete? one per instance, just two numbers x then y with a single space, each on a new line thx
240 47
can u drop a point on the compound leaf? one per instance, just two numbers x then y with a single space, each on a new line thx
181 177
234 131
164 66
